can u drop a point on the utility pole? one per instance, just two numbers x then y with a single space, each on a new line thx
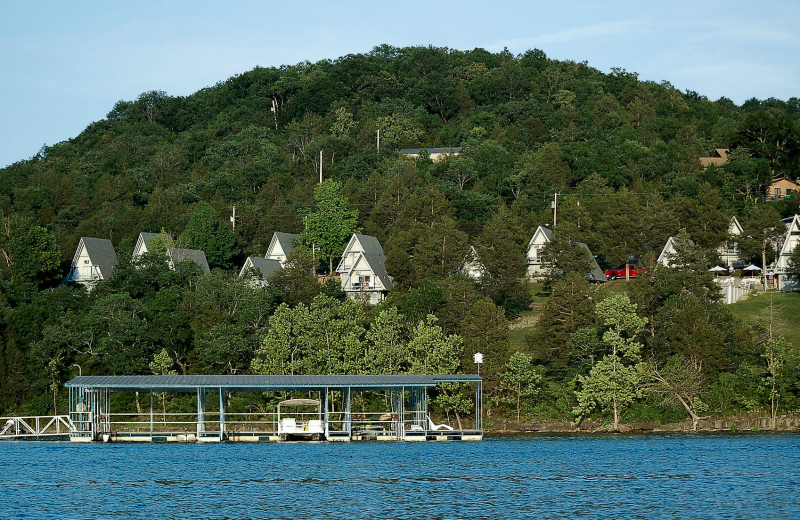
233 218
379 140
554 205
320 166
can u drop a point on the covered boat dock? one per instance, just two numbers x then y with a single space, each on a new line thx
406 417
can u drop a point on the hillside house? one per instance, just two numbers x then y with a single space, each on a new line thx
142 244
668 253
264 267
174 254
781 189
781 264
729 251
472 266
280 246
436 154
718 158
362 271
536 267
94 260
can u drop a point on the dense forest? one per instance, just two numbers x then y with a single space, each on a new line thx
622 155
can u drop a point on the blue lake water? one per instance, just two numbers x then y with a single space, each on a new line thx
523 476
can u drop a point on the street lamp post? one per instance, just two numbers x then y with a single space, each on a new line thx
80 372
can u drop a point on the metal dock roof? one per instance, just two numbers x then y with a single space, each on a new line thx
261 383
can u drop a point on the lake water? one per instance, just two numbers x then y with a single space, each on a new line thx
523 476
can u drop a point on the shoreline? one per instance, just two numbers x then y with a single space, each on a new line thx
731 424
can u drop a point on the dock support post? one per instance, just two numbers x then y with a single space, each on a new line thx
347 415
151 414
201 411
221 413
327 391
401 415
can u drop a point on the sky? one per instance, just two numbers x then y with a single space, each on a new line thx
63 65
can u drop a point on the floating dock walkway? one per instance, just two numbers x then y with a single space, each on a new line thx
328 418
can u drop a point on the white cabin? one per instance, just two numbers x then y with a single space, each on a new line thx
280 246
668 253
536 267
174 254
94 260
142 244
791 241
729 251
362 270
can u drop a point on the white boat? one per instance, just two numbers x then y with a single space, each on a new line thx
295 428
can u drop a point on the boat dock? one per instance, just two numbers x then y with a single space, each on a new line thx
325 413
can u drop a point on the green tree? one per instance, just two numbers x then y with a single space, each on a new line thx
386 350
520 380
325 337
31 252
569 308
777 352
682 380
439 250
498 250
615 381
763 229
162 366
332 222
705 218
206 232
296 280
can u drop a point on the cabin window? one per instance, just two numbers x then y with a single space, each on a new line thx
777 192
788 193
364 280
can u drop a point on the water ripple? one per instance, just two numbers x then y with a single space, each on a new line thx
525 476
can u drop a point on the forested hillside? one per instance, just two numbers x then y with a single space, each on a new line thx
621 153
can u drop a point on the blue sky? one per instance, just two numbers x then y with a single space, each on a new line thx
65 64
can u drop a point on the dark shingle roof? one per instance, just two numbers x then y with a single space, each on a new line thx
598 274
146 238
101 253
370 245
265 266
194 255
285 240
258 383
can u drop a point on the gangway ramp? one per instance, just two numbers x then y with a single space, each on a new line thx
37 426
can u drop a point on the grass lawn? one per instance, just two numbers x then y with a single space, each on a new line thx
786 307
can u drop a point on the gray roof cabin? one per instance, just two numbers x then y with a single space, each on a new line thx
94 260
362 269
280 246
265 267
